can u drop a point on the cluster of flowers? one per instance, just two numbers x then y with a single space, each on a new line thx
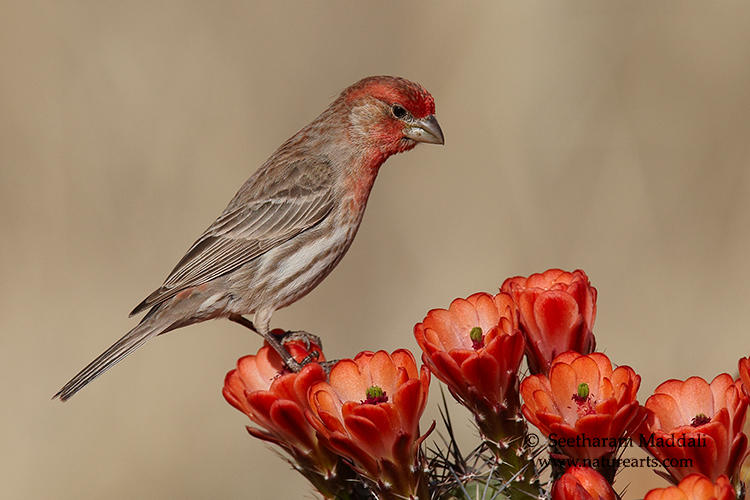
361 421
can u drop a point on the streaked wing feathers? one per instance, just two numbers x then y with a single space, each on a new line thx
299 197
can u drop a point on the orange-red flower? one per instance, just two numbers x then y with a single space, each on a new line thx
582 483
475 348
744 367
276 401
698 423
557 311
369 412
695 487
584 406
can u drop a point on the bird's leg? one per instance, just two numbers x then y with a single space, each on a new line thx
241 320
308 338
279 342
287 358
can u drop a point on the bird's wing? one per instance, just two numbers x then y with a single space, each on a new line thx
268 210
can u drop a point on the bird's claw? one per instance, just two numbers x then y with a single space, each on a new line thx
328 365
306 338
310 358
296 366
310 342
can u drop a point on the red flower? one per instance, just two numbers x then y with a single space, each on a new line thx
695 487
582 483
369 413
744 367
698 423
475 348
557 311
276 401
584 405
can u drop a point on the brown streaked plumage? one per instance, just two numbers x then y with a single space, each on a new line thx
290 223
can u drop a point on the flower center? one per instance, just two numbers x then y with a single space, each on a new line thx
477 338
700 419
583 390
581 397
375 395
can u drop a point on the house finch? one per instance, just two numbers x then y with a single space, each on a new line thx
289 224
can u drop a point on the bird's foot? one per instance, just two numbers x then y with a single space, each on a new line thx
305 337
278 339
328 365
312 344
296 366
309 340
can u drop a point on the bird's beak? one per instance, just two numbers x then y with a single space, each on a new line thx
425 130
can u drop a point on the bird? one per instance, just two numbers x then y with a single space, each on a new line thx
289 224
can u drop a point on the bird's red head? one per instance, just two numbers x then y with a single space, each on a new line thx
395 90
390 114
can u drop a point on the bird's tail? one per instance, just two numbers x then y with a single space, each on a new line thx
106 360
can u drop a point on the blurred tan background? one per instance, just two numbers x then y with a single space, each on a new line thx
607 136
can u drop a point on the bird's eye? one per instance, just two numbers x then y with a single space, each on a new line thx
398 111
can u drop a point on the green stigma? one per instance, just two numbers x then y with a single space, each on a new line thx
375 392
476 334
583 390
